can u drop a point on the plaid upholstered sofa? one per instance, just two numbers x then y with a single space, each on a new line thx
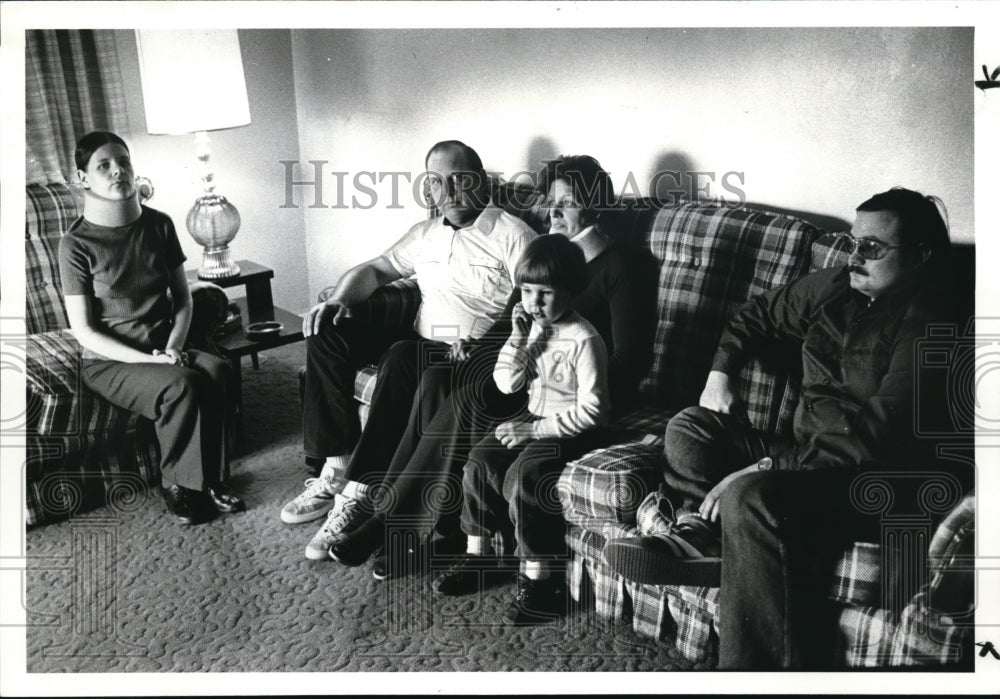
82 452
906 600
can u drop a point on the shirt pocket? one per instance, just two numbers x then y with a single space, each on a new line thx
487 276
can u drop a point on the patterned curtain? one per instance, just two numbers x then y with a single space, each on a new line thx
72 85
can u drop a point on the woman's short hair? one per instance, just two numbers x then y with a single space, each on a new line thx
86 146
920 217
590 183
554 261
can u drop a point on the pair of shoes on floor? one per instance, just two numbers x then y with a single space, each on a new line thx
537 601
194 506
345 515
687 553
465 575
315 501
356 547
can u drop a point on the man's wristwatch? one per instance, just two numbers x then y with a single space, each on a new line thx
765 464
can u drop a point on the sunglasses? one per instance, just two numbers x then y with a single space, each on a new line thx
869 248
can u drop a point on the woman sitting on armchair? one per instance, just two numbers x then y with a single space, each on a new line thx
129 307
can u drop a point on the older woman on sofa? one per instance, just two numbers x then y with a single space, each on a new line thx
422 482
129 307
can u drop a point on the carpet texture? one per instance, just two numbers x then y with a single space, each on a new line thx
125 589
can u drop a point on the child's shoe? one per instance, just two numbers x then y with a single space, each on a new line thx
465 575
537 601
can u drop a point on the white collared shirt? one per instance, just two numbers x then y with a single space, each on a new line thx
465 275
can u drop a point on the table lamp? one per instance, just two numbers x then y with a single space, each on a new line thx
192 83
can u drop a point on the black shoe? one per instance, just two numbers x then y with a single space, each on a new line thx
465 575
359 545
654 560
184 504
400 556
537 601
224 500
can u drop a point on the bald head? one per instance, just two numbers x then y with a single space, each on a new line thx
458 153
456 181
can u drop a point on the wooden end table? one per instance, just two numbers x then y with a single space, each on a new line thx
257 306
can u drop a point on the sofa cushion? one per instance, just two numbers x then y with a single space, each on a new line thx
58 403
50 209
712 260
606 485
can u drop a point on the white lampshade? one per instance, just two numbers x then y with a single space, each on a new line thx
192 80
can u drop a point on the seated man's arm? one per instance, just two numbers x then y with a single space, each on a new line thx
357 284
780 314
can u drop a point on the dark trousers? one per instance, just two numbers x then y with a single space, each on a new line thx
515 489
330 425
422 488
188 407
782 535
703 447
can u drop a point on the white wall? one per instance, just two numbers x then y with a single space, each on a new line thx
246 164
816 119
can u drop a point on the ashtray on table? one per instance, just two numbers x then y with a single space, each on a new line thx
264 330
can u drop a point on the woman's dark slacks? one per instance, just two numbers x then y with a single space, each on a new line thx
188 407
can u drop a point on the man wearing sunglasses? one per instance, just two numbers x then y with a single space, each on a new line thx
779 510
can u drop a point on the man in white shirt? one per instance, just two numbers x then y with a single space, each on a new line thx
464 261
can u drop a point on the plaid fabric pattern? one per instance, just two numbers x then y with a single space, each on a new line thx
49 211
712 260
647 420
654 515
69 475
53 382
865 637
364 384
830 250
858 577
606 485
610 599
686 616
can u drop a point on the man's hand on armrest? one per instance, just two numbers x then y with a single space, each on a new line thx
357 284
315 316
719 395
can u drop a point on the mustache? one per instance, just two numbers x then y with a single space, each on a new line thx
857 270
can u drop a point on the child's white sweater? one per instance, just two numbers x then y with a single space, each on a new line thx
565 366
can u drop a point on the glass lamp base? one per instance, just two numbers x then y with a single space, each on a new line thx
216 264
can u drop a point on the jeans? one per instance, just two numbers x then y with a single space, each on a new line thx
782 535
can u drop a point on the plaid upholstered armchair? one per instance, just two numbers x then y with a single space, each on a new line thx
82 452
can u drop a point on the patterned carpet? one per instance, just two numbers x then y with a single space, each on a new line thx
127 590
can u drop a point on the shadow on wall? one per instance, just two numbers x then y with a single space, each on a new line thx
674 178
671 180
540 149
830 224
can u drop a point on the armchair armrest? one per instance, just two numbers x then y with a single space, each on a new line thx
393 305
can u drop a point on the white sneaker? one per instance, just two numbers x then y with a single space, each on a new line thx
344 518
314 502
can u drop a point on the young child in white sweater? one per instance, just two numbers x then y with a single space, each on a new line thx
509 480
